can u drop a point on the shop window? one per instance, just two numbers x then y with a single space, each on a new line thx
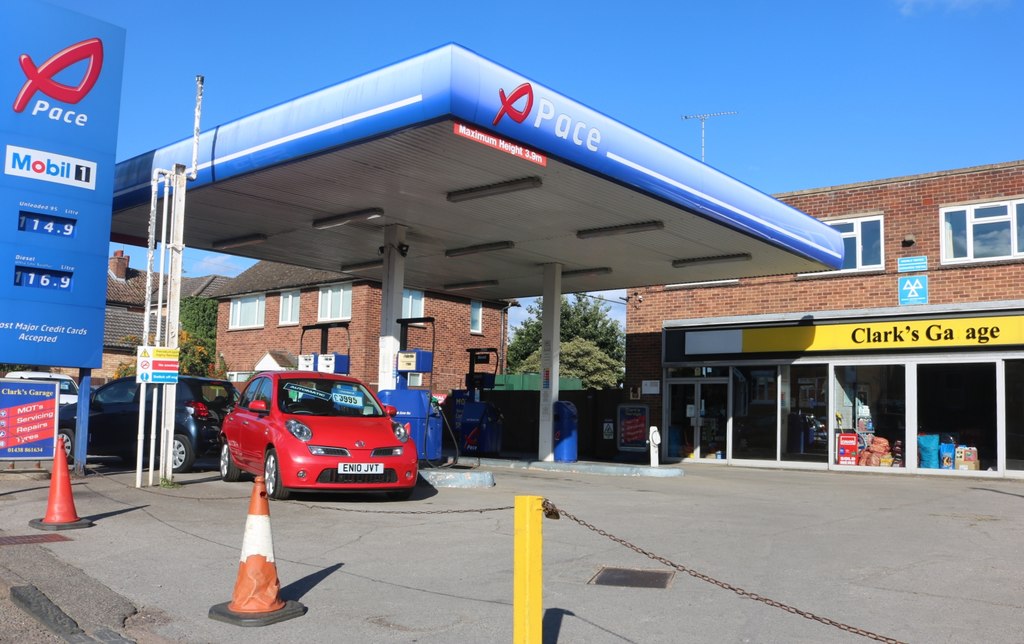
1015 414
289 308
755 413
335 302
956 408
247 312
870 415
981 232
804 435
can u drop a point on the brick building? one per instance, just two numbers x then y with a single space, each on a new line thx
912 355
262 313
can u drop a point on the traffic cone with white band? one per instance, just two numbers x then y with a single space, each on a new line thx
256 600
60 508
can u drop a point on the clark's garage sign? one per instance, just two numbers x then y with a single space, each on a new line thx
28 419
60 92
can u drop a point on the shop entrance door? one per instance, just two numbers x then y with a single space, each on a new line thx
699 410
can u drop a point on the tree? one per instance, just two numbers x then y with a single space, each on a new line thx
584 317
581 358
198 316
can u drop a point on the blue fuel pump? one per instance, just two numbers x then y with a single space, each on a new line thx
416 408
478 424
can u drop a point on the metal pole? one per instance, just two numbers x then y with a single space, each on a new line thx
702 118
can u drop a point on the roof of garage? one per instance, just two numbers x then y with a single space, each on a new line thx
409 144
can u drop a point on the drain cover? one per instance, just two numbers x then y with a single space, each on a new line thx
31 538
633 578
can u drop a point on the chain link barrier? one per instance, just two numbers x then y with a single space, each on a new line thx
553 512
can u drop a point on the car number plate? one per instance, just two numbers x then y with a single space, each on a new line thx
360 468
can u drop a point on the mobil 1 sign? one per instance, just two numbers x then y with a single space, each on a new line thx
60 92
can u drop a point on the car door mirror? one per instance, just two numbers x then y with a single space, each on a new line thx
258 406
390 410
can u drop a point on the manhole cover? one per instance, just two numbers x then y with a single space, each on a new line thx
31 538
633 578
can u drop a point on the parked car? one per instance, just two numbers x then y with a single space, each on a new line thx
200 406
317 431
68 392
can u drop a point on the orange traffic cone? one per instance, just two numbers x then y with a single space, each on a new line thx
256 601
60 510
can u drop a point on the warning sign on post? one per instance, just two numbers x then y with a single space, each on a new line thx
156 365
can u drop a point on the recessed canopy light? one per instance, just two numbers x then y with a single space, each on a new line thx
712 259
495 189
638 227
479 248
347 218
235 242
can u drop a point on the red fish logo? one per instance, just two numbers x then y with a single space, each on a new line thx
507 103
40 79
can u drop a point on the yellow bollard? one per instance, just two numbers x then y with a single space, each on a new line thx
528 571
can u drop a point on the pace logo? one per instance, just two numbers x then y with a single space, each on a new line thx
41 79
563 124
47 166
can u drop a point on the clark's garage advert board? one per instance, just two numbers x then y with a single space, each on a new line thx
60 93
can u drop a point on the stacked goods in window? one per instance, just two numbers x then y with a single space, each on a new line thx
877 453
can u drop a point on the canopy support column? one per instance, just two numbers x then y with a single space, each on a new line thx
392 285
549 356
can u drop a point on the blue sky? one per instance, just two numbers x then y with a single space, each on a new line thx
826 92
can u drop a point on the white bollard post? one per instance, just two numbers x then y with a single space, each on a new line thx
654 440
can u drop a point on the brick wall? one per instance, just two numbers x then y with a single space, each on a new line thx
244 347
909 205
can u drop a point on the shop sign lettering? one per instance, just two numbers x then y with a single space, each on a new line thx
896 334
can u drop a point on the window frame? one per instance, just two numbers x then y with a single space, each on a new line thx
412 303
1014 217
477 307
858 222
235 311
344 307
294 299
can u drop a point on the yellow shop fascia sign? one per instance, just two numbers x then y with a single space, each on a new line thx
888 335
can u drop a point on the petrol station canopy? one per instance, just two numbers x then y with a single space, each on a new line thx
491 175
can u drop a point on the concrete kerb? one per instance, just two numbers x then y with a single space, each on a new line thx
578 467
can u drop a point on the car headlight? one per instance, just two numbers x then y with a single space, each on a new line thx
401 433
298 430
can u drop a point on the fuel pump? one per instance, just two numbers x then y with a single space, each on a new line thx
478 423
325 361
416 407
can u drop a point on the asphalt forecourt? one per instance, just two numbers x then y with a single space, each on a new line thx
720 554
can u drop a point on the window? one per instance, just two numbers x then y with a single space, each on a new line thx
862 243
476 316
247 312
412 303
335 302
289 308
983 231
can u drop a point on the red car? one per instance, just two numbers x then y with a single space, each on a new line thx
317 431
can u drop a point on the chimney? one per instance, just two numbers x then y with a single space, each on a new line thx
119 265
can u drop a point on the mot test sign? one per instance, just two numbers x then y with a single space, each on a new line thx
28 419
60 95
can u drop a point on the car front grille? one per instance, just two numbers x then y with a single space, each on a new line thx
331 475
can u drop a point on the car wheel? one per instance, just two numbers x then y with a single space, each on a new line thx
182 455
228 470
400 495
272 476
69 444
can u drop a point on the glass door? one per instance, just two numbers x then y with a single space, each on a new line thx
698 419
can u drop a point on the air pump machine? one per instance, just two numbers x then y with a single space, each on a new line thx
416 407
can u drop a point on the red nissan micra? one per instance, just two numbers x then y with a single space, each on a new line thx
317 431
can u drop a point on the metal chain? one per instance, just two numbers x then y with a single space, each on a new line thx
305 505
362 511
551 511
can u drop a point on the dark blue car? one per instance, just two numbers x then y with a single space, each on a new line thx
200 407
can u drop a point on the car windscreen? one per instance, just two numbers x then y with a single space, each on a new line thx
325 397
217 395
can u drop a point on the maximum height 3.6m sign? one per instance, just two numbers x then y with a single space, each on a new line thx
60 92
